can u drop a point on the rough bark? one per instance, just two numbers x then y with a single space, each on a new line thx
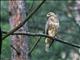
17 11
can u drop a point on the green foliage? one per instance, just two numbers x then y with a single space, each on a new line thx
4 11
6 50
69 31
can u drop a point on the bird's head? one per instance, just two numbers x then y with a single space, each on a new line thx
51 14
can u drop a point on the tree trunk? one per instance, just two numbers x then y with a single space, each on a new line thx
19 43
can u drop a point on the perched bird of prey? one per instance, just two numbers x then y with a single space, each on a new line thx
51 29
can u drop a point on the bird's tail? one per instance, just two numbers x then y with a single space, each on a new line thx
48 43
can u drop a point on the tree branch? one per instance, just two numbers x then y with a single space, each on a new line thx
33 47
44 35
30 9
18 52
23 22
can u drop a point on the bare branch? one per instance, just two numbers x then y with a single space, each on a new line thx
21 24
43 35
33 47
30 9
18 52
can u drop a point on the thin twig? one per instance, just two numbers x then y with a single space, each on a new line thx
43 35
33 47
30 9
21 24
18 53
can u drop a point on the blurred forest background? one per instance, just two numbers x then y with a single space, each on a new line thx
69 30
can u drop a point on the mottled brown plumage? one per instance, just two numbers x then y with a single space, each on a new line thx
51 28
